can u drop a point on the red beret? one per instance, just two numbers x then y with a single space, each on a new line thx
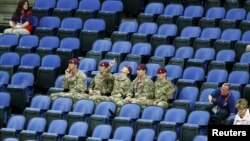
161 70
74 61
142 67
129 68
104 64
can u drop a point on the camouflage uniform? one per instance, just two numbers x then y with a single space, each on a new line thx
102 85
121 86
163 92
143 92
77 86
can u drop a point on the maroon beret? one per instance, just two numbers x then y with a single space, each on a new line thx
104 64
161 70
142 67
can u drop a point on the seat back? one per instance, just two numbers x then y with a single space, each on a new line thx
8 40
50 22
167 30
174 71
59 81
226 55
94 25
204 94
231 34
238 77
70 43
216 13
123 133
71 23
87 64
211 33
49 42
147 28
103 108
4 77
154 8
23 79
152 69
133 66
141 49
194 73
16 122
53 61
41 102
130 110
102 45
37 124
85 106
67 4
25 60
216 75
191 32
154 113
65 107
5 99
199 118
164 51
245 36
58 127
174 9
44 4
28 41
175 115
10 58
102 131
167 136
205 54
112 6
245 58
184 52
145 135
128 26
89 5
78 129
189 93
121 47
236 14
193 11
200 138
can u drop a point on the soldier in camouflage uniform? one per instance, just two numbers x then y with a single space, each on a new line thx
143 89
74 81
103 83
122 87
164 89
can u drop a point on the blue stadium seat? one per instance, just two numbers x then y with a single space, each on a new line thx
93 29
171 13
14 126
187 36
58 87
232 19
43 8
48 71
151 12
215 77
145 135
119 50
207 37
47 45
132 64
162 54
87 65
151 116
196 125
243 65
167 136
125 31
240 46
9 62
87 9
174 118
181 55
174 72
244 25
68 49
82 110
212 17
70 27
10 139
99 48
47 26
56 129
139 52
35 127
200 138
4 108
152 70
77 131
165 35
129 113
4 80
122 133
21 88
8 43
38 107
101 132
144 33
203 102
59 110
111 13
238 79
27 44
65 8
29 66
227 39
186 98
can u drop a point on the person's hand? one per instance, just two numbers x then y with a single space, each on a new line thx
155 103
210 99
91 92
112 62
128 99
118 96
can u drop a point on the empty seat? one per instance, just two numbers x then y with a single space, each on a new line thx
171 13
58 87
4 80
65 8
122 133
244 25
145 135
144 33
87 65
48 71
9 62
101 132
47 26
213 17
27 44
70 27
151 12
238 79
35 127
43 8
167 136
20 89
111 12
4 107
174 72
139 52
243 65
77 131
203 103
240 46
200 138
125 31
93 29
29 66
8 43
87 9
47 45
162 54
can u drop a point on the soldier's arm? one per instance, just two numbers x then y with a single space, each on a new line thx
81 83
109 84
148 89
170 90
65 83
128 90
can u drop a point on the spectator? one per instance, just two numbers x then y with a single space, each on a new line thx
21 19
243 115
